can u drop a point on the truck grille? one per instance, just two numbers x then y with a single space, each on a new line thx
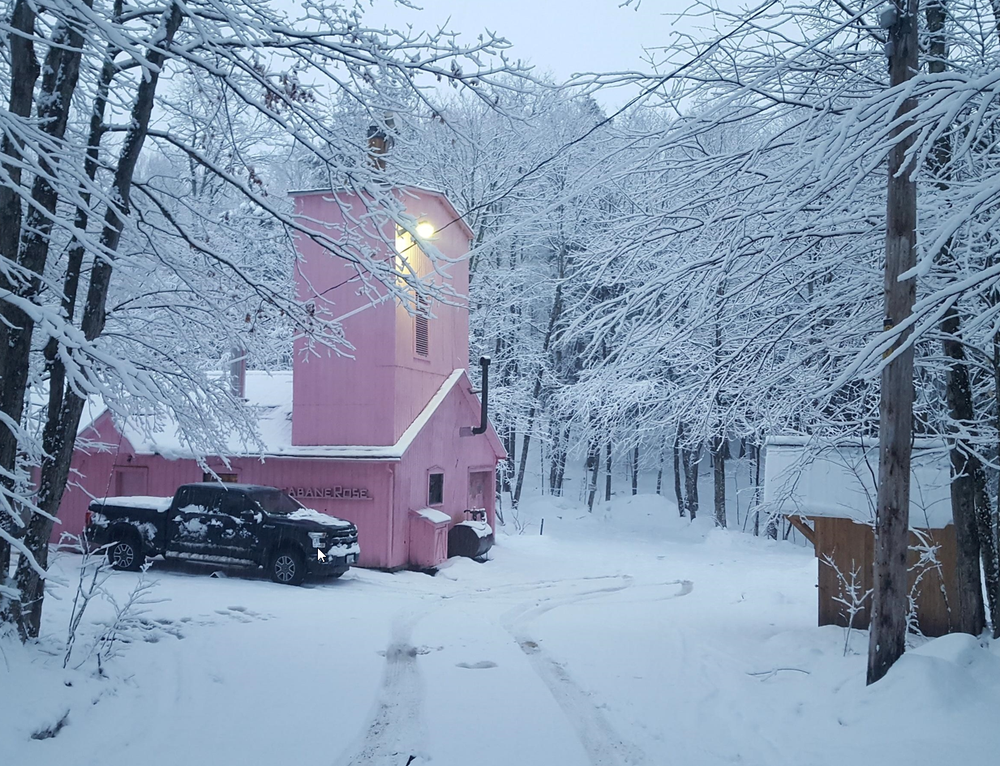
344 537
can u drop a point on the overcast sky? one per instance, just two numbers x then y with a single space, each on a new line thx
557 36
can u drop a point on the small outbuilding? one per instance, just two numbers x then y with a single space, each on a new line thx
392 438
828 493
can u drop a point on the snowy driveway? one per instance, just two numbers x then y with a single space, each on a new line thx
598 644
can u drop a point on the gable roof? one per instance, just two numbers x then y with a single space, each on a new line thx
271 395
804 477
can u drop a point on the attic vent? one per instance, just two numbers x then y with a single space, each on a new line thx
420 328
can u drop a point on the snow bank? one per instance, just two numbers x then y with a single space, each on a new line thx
625 516
627 635
460 568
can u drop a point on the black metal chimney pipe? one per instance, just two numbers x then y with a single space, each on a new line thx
484 362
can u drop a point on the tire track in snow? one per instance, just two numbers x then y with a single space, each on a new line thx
603 745
395 733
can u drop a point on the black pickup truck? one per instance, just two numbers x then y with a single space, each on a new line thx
227 524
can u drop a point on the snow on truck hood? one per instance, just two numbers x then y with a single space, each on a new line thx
308 514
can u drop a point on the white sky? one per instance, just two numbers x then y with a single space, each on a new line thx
561 37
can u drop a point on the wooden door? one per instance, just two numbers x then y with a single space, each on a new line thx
479 488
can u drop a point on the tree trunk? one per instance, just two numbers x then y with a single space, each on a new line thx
635 470
991 525
59 435
756 490
887 640
987 531
27 242
677 471
771 529
719 474
536 392
557 472
659 473
593 468
691 459
607 473
510 444
967 471
508 434
24 71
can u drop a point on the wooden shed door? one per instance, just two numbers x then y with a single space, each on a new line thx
479 482
130 481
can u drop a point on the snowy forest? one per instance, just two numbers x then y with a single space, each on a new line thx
664 280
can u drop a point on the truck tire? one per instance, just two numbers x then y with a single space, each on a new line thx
287 567
125 553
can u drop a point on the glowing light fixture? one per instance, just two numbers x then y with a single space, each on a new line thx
425 229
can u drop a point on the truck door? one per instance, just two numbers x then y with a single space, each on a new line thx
240 524
188 527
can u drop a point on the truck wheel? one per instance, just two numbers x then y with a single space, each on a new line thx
287 567
126 553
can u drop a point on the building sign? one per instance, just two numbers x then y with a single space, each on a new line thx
330 493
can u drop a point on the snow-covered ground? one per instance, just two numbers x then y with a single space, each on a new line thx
624 637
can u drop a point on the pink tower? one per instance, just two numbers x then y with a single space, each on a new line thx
400 360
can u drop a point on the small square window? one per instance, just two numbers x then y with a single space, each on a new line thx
226 478
435 489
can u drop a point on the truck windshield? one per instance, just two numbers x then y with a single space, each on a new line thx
275 501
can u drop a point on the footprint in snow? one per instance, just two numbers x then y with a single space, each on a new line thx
409 651
481 665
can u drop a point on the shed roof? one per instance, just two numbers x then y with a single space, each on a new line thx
838 480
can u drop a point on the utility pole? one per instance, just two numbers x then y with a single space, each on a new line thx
888 625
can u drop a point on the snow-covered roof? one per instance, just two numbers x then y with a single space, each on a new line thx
271 395
433 515
804 478
350 190
93 408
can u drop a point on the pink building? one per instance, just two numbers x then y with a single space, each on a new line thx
386 439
